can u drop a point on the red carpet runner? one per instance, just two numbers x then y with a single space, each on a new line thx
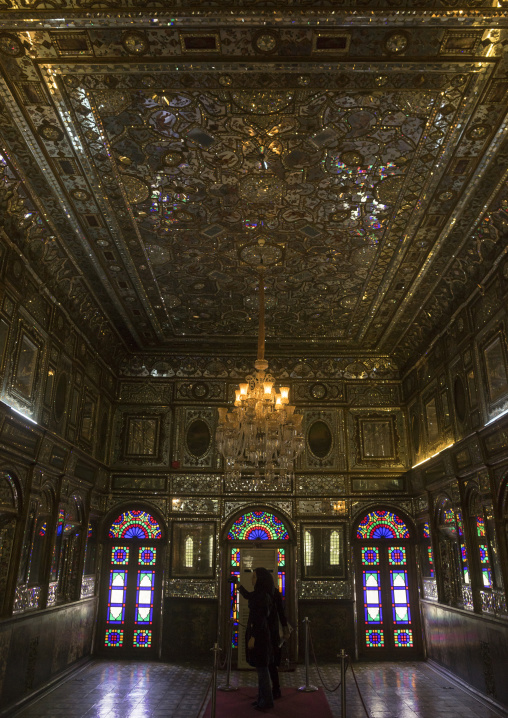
293 704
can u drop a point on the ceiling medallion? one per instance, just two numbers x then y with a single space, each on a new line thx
172 159
352 158
389 189
261 254
265 41
80 194
10 45
261 188
135 42
478 132
397 43
136 190
51 133
261 436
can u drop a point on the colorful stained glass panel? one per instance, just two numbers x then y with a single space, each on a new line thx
235 557
147 556
431 560
234 608
426 530
397 556
281 557
370 556
372 597
382 525
374 639
113 638
142 638
120 555
480 526
144 597
403 638
400 596
258 525
116 596
135 524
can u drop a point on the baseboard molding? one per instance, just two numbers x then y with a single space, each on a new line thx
475 693
14 708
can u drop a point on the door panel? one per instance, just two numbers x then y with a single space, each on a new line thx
388 621
130 603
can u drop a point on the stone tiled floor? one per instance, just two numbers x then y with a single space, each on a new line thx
125 689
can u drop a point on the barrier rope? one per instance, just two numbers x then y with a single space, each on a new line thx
327 688
205 696
359 692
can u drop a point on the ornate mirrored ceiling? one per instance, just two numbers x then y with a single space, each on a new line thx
169 159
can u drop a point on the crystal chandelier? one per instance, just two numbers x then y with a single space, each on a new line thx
261 436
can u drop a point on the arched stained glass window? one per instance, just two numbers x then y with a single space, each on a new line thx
135 524
382 525
258 525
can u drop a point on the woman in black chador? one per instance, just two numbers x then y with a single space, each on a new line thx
262 635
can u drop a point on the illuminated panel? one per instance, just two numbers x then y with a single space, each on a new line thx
147 556
135 524
233 613
431 560
42 529
400 596
144 597
426 530
374 638
463 556
382 525
281 557
397 556
235 556
403 638
142 638
258 525
113 638
372 597
120 555
281 583
116 596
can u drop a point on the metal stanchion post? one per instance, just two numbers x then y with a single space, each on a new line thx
228 686
215 650
307 688
342 656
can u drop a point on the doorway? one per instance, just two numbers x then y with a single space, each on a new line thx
130 600
257 538
386 590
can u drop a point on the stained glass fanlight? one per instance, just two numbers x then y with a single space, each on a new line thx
135 525
258 525
382 525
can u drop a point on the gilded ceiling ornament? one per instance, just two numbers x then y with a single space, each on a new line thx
135 42
397 43
261 188
389 189
261 254
172 158
265 41
352 158
479 132
136 189
80 194
51 133
262 102
225 80
10 45
446 195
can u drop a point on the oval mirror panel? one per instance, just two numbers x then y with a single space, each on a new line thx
198 438
319 438
60 396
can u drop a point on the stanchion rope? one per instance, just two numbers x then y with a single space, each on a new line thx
327 688
359 692
205 696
